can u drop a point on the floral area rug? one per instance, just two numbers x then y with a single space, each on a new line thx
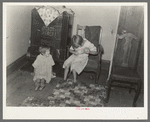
35 102
69 94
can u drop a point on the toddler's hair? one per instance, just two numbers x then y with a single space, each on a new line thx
42 49
78 39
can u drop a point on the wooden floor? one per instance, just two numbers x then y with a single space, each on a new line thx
20 86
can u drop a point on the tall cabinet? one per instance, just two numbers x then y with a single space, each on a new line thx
57 35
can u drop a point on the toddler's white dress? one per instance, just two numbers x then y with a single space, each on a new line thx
78 62
43 68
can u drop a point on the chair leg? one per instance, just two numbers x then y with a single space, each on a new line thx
96 78
108 91
137 93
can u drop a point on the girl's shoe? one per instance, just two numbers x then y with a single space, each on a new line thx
74 84
62 81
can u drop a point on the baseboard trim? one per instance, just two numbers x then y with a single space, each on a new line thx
16 65
22 60
105 64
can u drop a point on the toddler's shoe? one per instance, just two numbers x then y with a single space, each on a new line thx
41 88
36 87
42 85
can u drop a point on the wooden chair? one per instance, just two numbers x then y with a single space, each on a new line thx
124 64
94 35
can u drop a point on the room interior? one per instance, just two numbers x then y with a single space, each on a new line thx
112 19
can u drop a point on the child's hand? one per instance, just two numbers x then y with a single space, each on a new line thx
86 50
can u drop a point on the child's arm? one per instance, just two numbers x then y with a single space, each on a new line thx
52 61
93 52
87 51
73 52
36 62
92 48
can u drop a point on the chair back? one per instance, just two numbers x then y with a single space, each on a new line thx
92 34
126 51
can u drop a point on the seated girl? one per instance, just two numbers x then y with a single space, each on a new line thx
80 50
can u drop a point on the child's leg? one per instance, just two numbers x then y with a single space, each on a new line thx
37 84
42 85
66 71
74 75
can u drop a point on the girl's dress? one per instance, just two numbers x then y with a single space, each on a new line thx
78 62
43 67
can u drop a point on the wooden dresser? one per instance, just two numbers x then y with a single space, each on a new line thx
57 35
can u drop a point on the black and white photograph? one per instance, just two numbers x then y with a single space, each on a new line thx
75 60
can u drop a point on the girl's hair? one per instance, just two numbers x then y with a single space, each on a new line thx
78 39
42 49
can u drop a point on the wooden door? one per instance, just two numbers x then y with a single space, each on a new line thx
130 19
